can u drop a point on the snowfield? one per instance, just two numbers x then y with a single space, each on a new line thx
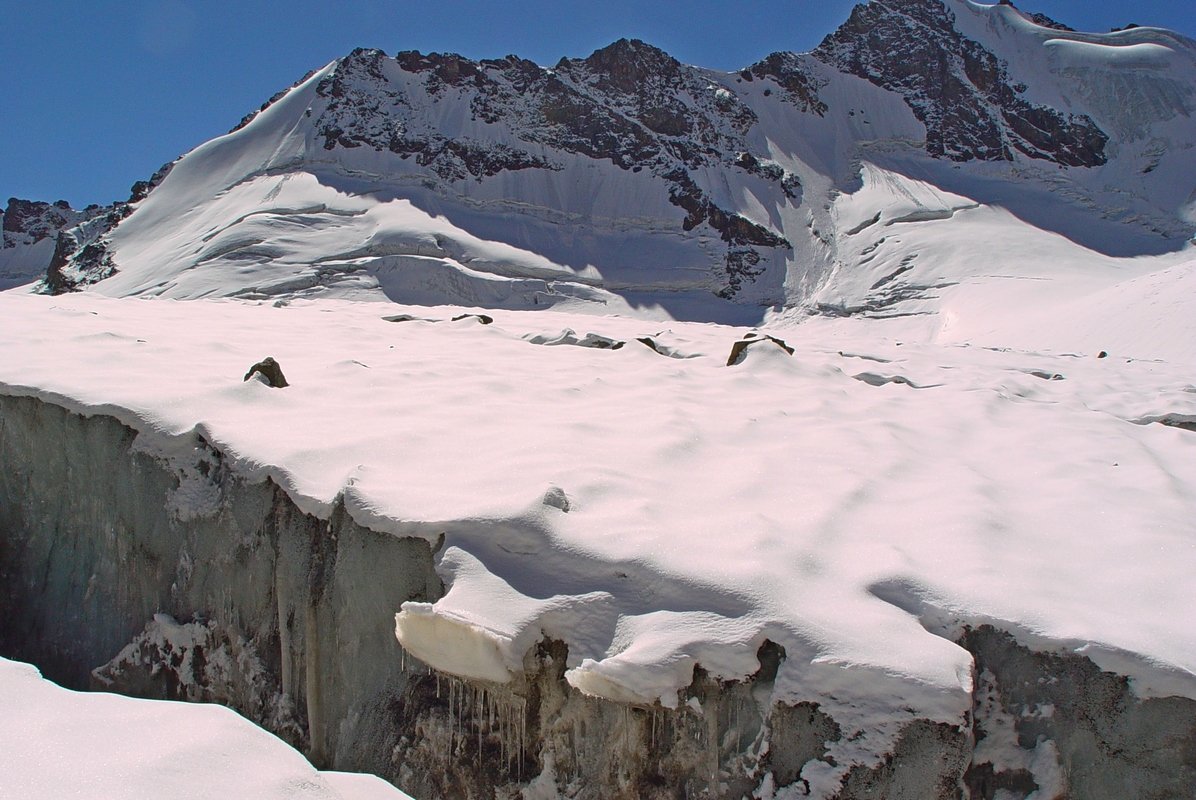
614 483
56 744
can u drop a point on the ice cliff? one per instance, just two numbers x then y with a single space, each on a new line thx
622 560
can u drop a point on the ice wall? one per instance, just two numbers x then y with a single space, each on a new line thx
166 575
222 588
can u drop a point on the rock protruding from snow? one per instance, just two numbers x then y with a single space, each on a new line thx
269 372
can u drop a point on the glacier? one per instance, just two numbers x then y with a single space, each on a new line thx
656 529
821 429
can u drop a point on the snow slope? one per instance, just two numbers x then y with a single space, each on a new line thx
56 743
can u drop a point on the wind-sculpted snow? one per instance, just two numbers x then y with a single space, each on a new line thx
657 515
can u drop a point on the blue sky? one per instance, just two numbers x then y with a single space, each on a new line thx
98 95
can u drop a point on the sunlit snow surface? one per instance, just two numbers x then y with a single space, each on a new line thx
57 744
656 508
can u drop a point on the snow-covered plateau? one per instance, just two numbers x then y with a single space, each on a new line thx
824 429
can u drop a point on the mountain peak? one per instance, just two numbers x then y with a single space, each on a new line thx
500 182
626 65
625 49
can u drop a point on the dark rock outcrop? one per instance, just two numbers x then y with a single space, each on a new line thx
739 349
270 372
32 237
81 255
956 87
76 265
30 221
790 74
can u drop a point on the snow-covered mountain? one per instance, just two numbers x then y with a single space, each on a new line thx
629 179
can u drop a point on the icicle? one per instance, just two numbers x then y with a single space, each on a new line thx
456 718
502 738
522 734
627 730
738 730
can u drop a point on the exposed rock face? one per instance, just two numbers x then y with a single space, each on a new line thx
956 87
68 249
141 189
170 576
1047 22
792 75
73 266
29 222
31 230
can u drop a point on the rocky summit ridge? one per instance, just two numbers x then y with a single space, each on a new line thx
629 177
